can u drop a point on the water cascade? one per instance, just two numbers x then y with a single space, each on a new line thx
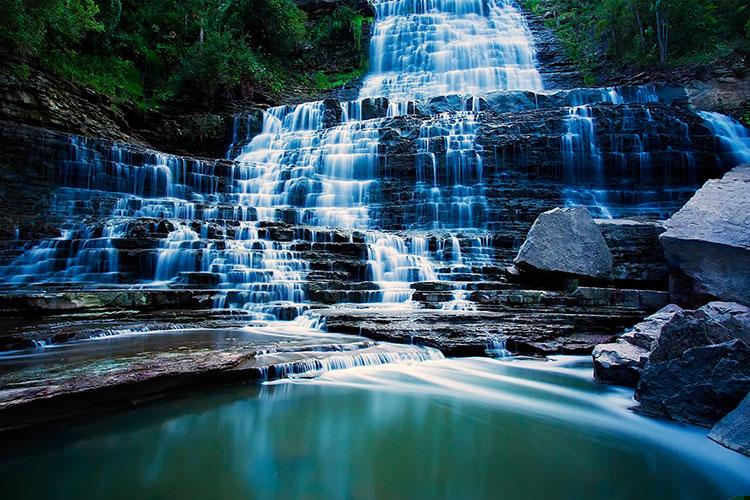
420 179
733 138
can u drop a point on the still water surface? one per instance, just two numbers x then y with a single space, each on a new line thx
469 428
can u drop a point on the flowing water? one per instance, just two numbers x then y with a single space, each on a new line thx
472 428
441 428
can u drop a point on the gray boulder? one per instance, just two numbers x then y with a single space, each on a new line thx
621 362
700 387
713 323
707 242
699 368
565 241
733 431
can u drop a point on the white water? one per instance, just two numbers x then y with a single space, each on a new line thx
429 48
733 137
301 171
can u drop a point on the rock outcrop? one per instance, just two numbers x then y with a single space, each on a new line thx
733 431
565 241
621 362
707 243
699 369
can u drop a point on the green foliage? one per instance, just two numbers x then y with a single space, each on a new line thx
325 81
28 26
151 51
109 75
647 32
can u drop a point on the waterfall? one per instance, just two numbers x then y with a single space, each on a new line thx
301 171
136 217
733 138
428 48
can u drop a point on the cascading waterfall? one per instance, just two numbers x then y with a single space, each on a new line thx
733 137
421 49
449 188
298 171
205 224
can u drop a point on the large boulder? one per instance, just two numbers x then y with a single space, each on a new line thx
621 362
565 241
733 431
700 387
707 242
714 323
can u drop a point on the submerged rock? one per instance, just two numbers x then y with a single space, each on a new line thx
566 241
707 243
733 431
621 362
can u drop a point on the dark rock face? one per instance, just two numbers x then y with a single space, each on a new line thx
690 329
699 387
733 431
621 362
699 368
707 243
565 241
637 256
42 100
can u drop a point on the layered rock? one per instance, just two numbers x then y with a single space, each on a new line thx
523 321
565 241
707 243
621 362
125 370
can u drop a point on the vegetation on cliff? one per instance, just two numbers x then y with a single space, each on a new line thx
197 51
647 33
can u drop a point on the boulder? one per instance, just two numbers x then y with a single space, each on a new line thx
700 387
621 362
733 431
565 241
713 323
707 242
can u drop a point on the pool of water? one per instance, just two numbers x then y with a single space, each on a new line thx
468 428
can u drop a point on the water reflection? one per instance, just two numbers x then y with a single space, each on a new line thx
454 428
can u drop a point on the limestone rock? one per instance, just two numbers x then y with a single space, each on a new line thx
621 362
707 243
566 241
733 431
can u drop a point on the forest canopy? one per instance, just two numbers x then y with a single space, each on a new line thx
647 32
152 51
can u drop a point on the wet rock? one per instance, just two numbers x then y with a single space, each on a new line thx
565 241
529 321
621 362
707 243
733 431
699 387
84 378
